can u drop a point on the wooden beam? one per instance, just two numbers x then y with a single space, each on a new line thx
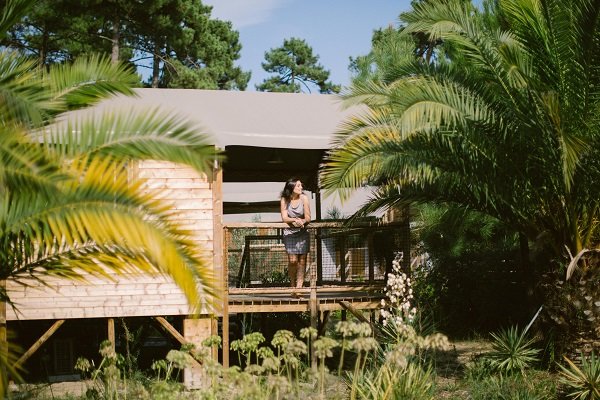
354 311
111 333
39 342
171 329
3 329
323 322
314 321
255 291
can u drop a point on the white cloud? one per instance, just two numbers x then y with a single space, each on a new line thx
244 13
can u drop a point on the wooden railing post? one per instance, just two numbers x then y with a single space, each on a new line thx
342 243
371 252
319 247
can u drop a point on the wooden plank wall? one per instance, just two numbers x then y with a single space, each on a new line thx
135 295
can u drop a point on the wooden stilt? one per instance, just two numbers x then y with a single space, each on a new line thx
195 331
111 333
3 331
171 330
38 343
323 322
314 319
225 303
357 313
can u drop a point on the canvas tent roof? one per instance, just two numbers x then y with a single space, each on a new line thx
260 119
267 137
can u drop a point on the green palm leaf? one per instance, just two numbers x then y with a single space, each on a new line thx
507 125
93 225
135 133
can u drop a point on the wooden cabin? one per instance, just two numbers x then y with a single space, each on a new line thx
266 137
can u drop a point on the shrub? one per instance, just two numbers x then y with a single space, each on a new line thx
536 386
513 351
582 383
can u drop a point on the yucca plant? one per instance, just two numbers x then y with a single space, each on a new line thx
391 382
513 351
581 382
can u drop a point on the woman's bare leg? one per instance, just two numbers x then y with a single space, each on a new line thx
301 268
292 268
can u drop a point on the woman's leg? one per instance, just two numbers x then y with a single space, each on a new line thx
292 268
301 268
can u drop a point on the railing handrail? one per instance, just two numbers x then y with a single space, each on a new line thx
311 225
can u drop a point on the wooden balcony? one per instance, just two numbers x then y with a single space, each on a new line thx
346 269
345 264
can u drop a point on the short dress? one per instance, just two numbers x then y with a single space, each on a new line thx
296 240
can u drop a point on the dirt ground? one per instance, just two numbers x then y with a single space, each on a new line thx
450 366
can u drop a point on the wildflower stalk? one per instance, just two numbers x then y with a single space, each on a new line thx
355 378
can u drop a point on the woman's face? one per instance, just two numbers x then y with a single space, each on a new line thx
298 188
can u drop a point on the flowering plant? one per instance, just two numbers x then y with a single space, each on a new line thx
397 308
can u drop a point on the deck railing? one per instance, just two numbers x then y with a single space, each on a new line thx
339 255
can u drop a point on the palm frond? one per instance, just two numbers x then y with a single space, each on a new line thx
25 166
136 133
21 90
130 231
12 12
86 81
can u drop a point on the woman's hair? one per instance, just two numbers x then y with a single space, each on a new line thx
288 188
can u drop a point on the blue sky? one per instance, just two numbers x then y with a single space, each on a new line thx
335 29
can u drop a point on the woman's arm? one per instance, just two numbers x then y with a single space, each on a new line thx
306 202
297 222
283 209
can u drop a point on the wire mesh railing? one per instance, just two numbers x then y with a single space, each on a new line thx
255 255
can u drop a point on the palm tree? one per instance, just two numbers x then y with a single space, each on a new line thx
510 130
503 120
67 206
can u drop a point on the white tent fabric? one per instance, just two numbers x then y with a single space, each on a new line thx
276 120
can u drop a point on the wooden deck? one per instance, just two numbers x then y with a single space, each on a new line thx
328 298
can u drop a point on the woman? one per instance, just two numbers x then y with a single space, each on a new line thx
295 211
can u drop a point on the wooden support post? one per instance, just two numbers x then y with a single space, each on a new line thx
342 243
314 319
319 241
220 259
323 322
171 329
219 243
371 248
195 330
111 334
38 343
214 331
225 309
357 313
3 330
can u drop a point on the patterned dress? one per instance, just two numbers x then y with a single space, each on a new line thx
295 239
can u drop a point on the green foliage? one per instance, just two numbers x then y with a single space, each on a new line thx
535 386
513 351
68 207
581 382
247 345
500 120
469 280
296 69
411 383
187 47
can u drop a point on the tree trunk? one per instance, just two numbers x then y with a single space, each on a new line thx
155 68
44 47
526 270
116 36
